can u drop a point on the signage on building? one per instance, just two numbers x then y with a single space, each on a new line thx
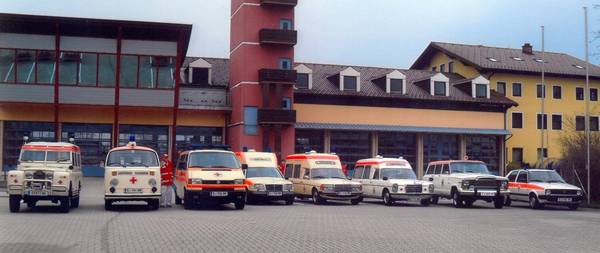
203 98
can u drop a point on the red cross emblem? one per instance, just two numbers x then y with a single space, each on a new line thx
217 174
133 180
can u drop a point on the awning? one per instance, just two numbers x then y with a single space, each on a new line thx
386 128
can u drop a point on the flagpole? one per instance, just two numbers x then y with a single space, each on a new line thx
541 154
587 108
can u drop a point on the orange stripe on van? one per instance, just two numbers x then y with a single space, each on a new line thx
525 186
216 186
304 157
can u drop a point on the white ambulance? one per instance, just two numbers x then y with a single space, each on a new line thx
264 179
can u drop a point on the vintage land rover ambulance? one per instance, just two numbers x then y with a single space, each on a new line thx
211 174
540 187
132 173
263 178
465 181
320 177
391 179
46 171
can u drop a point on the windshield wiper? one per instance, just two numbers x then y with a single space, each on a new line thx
317 177
219 167
137 163
112 164
62 160
554 181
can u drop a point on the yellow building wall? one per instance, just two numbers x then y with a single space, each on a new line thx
459 67
343 114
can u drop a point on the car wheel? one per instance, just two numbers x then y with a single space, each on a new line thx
65 204
573 207
508 201
434 200
31 203
425 202
153 204
177 199
499 202
387 198
457 200
355 201
468 203
240 204
188 203
15 203
75 202
317 200
534 203
107 205
289 201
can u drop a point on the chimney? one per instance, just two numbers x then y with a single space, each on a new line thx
527 48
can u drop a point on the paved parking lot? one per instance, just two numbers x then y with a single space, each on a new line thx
336 227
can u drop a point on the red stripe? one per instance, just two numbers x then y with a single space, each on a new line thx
216 186
304 157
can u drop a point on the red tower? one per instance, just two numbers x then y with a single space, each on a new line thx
261 75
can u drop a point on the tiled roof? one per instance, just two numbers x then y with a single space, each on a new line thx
479 57
324 84
396 128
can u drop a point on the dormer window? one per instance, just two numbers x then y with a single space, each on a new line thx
439 88
578 66
350 80
395 82
439 85
517 58
200 72
397 86
303 77
481 90
200 76
478 87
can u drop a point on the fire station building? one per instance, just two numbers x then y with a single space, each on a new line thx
101 81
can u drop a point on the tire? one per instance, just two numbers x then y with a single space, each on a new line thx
107 205
499 202
573 207
434 200
387 198
14 203
75 202
508 201
153 204
188 203
425 202
457 199
240 204
468 203
65 204
534 203
355 202
178 200
289 201
317 200
31 204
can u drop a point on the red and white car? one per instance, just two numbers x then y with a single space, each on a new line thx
540 187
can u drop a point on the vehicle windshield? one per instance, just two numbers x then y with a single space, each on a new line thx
326 173
132 157
213 160
398 173
263 172
545 176
48 156
478 168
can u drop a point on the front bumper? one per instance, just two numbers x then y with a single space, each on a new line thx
410 196
131 197
207 195
271 195
336 196
554 200
484 193
48 191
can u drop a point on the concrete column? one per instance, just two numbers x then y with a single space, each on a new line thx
420 162
327 141
374 144
171 139
462 143
502 147
2 145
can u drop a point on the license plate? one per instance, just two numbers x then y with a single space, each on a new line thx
274 193
37 193
218 194
344 193
133 190
487 194
414 199
565 199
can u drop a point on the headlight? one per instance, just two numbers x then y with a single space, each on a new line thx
288 187
28 175
327 187
238 181
152 182
194 181
357 188
257 187
49 175
431 188
395 188
579 192
504 185
466 184
547 192
114 182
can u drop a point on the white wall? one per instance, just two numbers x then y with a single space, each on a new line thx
27 41
146 47
86 44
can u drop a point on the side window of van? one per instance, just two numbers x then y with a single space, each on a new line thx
438 169
445 169
429 170
367 172
289 170
376 174
512 176
358 171
522 178
297 171
306 173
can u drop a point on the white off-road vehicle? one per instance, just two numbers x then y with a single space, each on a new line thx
46 171
465 181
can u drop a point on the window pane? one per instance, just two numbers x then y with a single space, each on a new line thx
557 122
593 94
580 123
516 89
517 120
396 85
25 66
350 83
87 69
351 146
285 63
541 91
7 65
147 72
107 75
397 144
166 66
129 64
251 120
485 149
593 123
451 67
501 88
542 119
200 75
556 92
46 61
517 155
302 81
439 147
480 90
307 140
68 67
439 88
579 93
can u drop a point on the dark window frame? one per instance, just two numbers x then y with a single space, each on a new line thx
557 93
517 87
521 122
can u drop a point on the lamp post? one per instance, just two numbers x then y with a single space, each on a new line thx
587 108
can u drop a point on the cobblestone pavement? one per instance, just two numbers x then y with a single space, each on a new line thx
336 227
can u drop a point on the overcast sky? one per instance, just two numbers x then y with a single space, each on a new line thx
387 33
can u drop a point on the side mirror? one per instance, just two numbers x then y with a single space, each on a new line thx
430 179
244 167
385 178
71 167
306 177
349 178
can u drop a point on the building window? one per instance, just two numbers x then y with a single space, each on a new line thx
396 85
541 91
350 83
7 65
542 153
542 121
579 123
593 94
87 69
68 68
251 120
188 136
501 88
166 68
556 122
434 68
46 63
200 76
450 67
286 103
484 148
443 68
579 93
517 120
25 66
439 88
285 63
129 67
96 138
557 92
307 140
285 24
13 139
517 90
155 137
517 155
481 90
594 123
437 147
107 70
396 144
302 81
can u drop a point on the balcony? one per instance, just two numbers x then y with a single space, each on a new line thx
278 37
279 76
276 117
291 3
